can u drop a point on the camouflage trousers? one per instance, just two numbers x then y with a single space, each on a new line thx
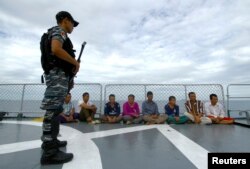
57 88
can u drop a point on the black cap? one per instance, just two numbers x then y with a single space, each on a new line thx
64 14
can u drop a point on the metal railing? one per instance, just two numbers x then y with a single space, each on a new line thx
238 99
26 98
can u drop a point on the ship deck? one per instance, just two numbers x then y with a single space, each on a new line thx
120 146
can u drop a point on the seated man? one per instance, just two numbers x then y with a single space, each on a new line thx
195 110
172 110
131 111
215 112
87 109
150 111
68 114
112 111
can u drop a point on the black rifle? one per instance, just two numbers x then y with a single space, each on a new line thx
71 78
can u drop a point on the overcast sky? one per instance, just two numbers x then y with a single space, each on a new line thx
133 41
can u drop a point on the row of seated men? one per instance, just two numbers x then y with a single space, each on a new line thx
197 112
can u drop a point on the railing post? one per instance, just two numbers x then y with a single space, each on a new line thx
105 93
20 114
185 87
228 101
223 96
101 100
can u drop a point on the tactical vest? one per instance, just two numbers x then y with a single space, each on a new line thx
49 61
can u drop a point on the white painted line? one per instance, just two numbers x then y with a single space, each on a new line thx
32 123
112 132
20 146
86 153
193 151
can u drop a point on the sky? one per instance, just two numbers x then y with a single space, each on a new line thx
133 41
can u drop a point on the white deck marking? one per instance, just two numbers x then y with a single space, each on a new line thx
193 151
20 146
23 122
112 132
87 155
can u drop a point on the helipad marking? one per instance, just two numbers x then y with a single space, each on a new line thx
20 146
193 151
82 146
87 155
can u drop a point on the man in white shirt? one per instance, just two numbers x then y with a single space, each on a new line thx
215 111
87 109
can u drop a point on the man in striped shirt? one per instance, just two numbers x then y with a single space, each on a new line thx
195 110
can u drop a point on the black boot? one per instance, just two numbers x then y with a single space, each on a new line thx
59 158
59 144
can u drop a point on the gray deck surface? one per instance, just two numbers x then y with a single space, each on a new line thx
243 122
218 138
146 149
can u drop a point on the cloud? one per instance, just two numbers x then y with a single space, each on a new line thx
134 41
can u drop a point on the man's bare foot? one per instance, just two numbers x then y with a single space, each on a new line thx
91 122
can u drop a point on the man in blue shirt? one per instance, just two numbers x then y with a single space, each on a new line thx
112 111
150 111
172 110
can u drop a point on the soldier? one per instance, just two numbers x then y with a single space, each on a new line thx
58 67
